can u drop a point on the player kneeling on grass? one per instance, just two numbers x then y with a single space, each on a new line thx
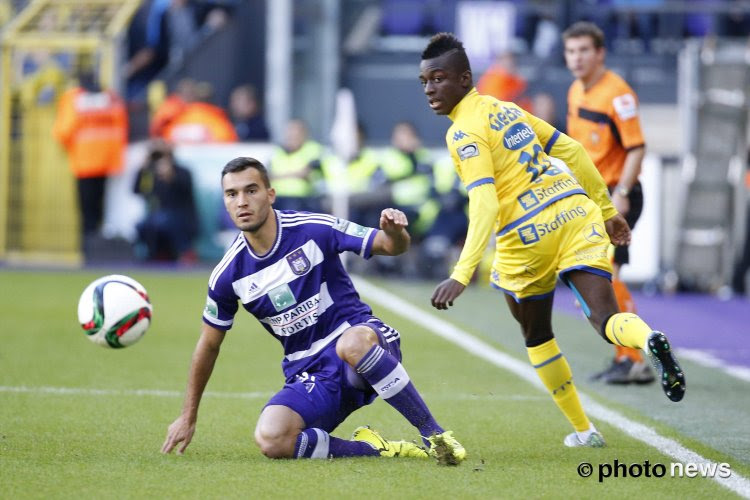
546 223
284 268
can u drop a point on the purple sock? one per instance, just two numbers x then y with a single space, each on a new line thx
388 377
317 443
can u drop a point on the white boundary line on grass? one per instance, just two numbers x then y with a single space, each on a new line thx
383 298
710 361
92 391
128 392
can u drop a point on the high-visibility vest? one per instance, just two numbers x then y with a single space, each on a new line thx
354 177
444 176
199 122
409 187
93 129
287 169
165 114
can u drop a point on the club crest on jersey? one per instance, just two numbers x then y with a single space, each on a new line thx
299 262
468 150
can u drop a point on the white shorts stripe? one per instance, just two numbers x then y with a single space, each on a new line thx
319 345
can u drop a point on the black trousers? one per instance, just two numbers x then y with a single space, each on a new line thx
622 255
91 203
743 263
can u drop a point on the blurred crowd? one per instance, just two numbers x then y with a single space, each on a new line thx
306 175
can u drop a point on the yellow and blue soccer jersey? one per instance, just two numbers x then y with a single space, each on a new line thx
499 144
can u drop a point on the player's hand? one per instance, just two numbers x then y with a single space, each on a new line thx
393 221
181 431
621 203
446 292
618 230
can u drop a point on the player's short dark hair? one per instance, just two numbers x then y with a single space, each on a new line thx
444 42
243 163
585 28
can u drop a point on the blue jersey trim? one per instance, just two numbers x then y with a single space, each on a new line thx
524 299
479 182
525 217
551 142
550 360
588 269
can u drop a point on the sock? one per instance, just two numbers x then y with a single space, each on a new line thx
388 377
626 304
628 330
554 371
317 443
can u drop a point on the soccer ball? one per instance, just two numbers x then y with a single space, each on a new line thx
114 311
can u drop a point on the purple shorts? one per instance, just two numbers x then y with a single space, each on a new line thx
330 390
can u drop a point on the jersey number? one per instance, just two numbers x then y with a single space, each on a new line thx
535 166
532 163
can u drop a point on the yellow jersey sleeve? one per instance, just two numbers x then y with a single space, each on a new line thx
483 208
559 145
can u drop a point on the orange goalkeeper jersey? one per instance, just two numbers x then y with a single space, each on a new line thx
605 120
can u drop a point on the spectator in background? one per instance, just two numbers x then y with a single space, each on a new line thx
186 91
148 47
408 170
502 81
543 106
296 170
92 125
739 283
603 115
450 224
186 117
183 31
246 114
171 223
361 178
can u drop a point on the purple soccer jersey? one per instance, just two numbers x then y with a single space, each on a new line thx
299 290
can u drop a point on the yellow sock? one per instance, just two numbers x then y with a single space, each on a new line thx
625 303
554 371
628 330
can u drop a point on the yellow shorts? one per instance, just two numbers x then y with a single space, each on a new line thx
565 236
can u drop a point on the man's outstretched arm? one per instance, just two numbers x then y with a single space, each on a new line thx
204 358
392 239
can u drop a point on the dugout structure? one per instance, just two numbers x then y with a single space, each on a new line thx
42 49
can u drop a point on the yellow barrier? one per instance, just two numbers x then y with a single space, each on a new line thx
38 201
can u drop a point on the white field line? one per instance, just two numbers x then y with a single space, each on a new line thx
710 361
85 391
383 298
128 392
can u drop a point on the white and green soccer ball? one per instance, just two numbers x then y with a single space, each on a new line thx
114 311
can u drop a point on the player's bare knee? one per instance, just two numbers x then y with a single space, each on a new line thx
274 444
354 343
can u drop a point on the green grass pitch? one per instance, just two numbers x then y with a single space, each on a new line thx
74 424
